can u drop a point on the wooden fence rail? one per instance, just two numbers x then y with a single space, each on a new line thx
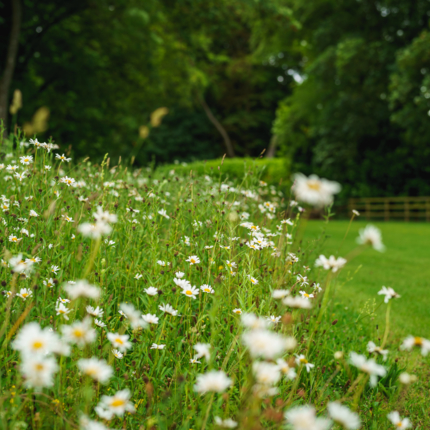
407 208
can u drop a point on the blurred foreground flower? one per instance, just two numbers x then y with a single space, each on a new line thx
266 344
330 263
117 404
158 115
39 371
398 422
417 341
389 294
82 288
304 418
213 381
371 235
39 122
96 369
368 366
33 340
343 416
313 190
16 104
228 423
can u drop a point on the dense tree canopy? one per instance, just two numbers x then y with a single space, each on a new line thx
342 86
102 68
361 113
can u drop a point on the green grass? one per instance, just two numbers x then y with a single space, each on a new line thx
169 219
404 266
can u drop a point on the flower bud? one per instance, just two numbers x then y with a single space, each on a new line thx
338 355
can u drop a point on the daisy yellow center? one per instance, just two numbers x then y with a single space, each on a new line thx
314 185
77 332
14 239
117 402
399 424
303 360
119 340
192 260
61 311
24 294
207 290
418 341
189 293
26 159
39 366
306 295
254 227
37 344
253 281
91 371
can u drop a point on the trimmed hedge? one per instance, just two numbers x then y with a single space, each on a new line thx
274 171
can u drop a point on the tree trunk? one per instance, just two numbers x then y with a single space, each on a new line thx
219 127
12 52
272 147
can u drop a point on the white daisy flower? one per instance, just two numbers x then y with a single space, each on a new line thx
399 423
212 381
371 235
193 260
313 190
302 361
96 369
150 319
119 341
343 416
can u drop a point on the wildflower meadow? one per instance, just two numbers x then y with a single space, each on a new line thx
136 300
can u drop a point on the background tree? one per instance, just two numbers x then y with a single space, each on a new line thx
101 69
348 120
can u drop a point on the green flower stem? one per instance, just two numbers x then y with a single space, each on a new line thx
387 324
96 246
207 411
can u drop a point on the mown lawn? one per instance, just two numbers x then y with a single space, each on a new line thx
404 266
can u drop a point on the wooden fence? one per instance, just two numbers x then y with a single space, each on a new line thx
394 208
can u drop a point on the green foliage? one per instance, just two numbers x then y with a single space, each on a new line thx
343 85
273 171
360 114
101 69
